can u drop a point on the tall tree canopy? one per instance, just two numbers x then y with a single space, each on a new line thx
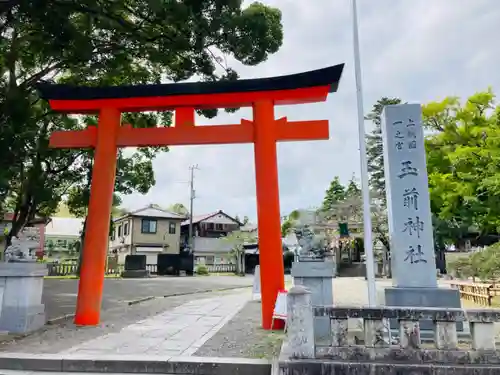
374 146
463 162
92 42
335 193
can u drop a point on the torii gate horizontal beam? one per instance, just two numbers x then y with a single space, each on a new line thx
192 135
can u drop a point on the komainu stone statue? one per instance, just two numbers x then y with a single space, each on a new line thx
23 246
311 246
18 251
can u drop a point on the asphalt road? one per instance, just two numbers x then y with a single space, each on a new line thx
60 295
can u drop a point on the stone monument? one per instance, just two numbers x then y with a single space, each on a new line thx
410 224
314 269
21 285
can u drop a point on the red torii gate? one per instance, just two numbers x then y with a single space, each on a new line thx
184 98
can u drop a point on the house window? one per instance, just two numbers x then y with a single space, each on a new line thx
125 229
219 226
119 230
171 228
148 226
210 226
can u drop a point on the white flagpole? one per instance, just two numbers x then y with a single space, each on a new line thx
365 188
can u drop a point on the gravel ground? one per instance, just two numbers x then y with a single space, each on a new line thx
56 338
243 337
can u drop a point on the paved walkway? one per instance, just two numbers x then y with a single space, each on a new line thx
180 331
60 295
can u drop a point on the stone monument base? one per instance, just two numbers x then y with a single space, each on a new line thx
21 289
422 297
135 274
317 276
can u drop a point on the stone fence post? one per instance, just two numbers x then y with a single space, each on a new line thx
300 323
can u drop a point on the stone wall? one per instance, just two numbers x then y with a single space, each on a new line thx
374 354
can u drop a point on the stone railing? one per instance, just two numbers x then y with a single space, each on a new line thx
301 354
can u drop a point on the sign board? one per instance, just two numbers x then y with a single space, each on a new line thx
280 306
256 284
407 191
343 230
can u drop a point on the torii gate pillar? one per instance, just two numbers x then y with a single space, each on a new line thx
183 98
268 208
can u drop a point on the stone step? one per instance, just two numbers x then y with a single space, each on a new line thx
145 364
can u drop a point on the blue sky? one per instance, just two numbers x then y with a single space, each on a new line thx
417 50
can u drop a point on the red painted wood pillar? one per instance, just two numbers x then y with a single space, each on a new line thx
268 208
95 247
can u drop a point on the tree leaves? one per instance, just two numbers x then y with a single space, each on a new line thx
463 162
93 42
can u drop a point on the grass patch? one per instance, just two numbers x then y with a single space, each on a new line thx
269 346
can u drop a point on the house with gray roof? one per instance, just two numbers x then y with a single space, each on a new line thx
208 231
148 231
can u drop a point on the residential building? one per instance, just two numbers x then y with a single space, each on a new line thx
148 231
208 231
62 235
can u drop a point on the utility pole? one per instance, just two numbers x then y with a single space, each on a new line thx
365 187
192 196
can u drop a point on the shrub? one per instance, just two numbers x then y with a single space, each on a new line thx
202 270
484 264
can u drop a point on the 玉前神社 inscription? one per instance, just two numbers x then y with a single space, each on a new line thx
410 224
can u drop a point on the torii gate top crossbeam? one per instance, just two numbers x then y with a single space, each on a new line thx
308 87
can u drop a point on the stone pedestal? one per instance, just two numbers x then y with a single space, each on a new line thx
135 274
422 297
317 277
21 289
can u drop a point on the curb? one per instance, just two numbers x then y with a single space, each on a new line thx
206 291
137 301
134 364
59 319
62 318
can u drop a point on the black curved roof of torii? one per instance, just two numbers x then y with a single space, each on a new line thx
314 78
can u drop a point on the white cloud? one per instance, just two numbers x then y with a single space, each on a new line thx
418 50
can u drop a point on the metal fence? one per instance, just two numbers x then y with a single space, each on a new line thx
71 268
221 268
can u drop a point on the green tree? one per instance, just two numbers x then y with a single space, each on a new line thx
179 208
94 43
352 189
237 239
289 222
335 193
246 220
374 147
463 162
